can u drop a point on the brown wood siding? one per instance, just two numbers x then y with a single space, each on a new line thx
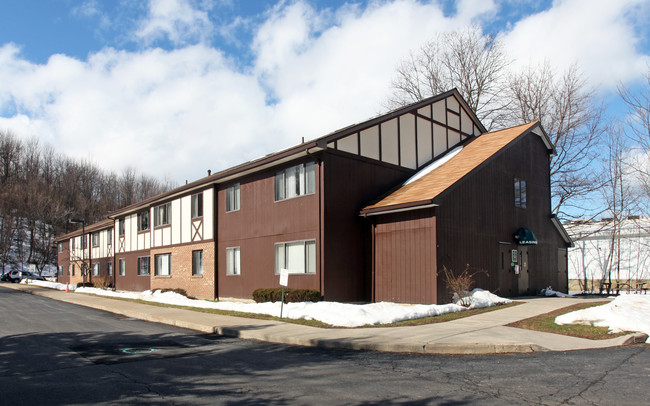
131 280
405 260
479 213
256 227
350 183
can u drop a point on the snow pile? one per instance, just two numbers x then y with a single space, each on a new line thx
434 165
625 313
51 285
335 314
480 299
550 292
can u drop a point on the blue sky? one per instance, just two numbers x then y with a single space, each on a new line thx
176 87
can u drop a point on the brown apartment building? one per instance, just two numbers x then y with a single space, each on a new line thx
372 212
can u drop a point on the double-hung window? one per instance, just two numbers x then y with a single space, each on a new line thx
197 205
109 269
233 198
120 227
162 215
233 261
295 181
95 269
143 220
143 266
109 236
121 265
520 193
197 262
95 239
296 257
163 265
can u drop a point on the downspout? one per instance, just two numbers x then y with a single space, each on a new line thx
321 257
373 264
215 235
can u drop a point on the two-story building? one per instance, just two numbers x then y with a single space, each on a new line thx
339 214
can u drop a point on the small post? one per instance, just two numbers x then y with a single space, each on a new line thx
284 281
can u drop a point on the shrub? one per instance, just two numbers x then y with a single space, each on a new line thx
102 282
461 285
176 290
290 295
85 285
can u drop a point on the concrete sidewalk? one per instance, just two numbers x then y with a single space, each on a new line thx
481 334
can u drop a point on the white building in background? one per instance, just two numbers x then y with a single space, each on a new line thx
605 250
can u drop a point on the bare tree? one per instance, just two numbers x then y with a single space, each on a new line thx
573 119
466 59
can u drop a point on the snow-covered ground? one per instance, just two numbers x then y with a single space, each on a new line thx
629 312
335 314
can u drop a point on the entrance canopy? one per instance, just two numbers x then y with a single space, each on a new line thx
525 236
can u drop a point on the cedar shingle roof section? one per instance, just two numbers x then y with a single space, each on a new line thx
423 191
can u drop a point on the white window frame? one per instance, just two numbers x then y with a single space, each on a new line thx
233 261
197 269
196 202
163 264
96 269
295 181
95 239
142 269
233 197
162 214
284 251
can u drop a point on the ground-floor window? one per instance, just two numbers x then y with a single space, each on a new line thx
73 270
109 269
296 256
233 261
143 266
163 265
121 266
95 269
61 270
67 270
197 262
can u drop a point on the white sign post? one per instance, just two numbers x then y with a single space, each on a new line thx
284 281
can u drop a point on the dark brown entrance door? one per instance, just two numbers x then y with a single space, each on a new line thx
507 278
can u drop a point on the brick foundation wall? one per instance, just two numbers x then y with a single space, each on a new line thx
200 287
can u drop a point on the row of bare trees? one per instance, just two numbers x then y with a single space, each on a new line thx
479 67
40 190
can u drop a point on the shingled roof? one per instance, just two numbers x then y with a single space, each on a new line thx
420 193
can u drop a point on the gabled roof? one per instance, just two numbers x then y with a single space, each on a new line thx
101 225
301 150
421 192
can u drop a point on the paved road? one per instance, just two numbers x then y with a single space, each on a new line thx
56 353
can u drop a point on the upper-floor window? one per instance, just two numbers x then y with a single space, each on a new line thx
84 241
143 220
520 193
233 197
109 236
95 237
120 227
60 247
73 242
197 205
295 181
162 215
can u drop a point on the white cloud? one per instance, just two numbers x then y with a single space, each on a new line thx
176 20
597 34
179 112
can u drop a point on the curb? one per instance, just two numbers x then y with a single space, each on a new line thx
332 343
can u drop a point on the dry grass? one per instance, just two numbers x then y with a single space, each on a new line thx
546 323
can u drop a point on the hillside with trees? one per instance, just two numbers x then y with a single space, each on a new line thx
41 190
